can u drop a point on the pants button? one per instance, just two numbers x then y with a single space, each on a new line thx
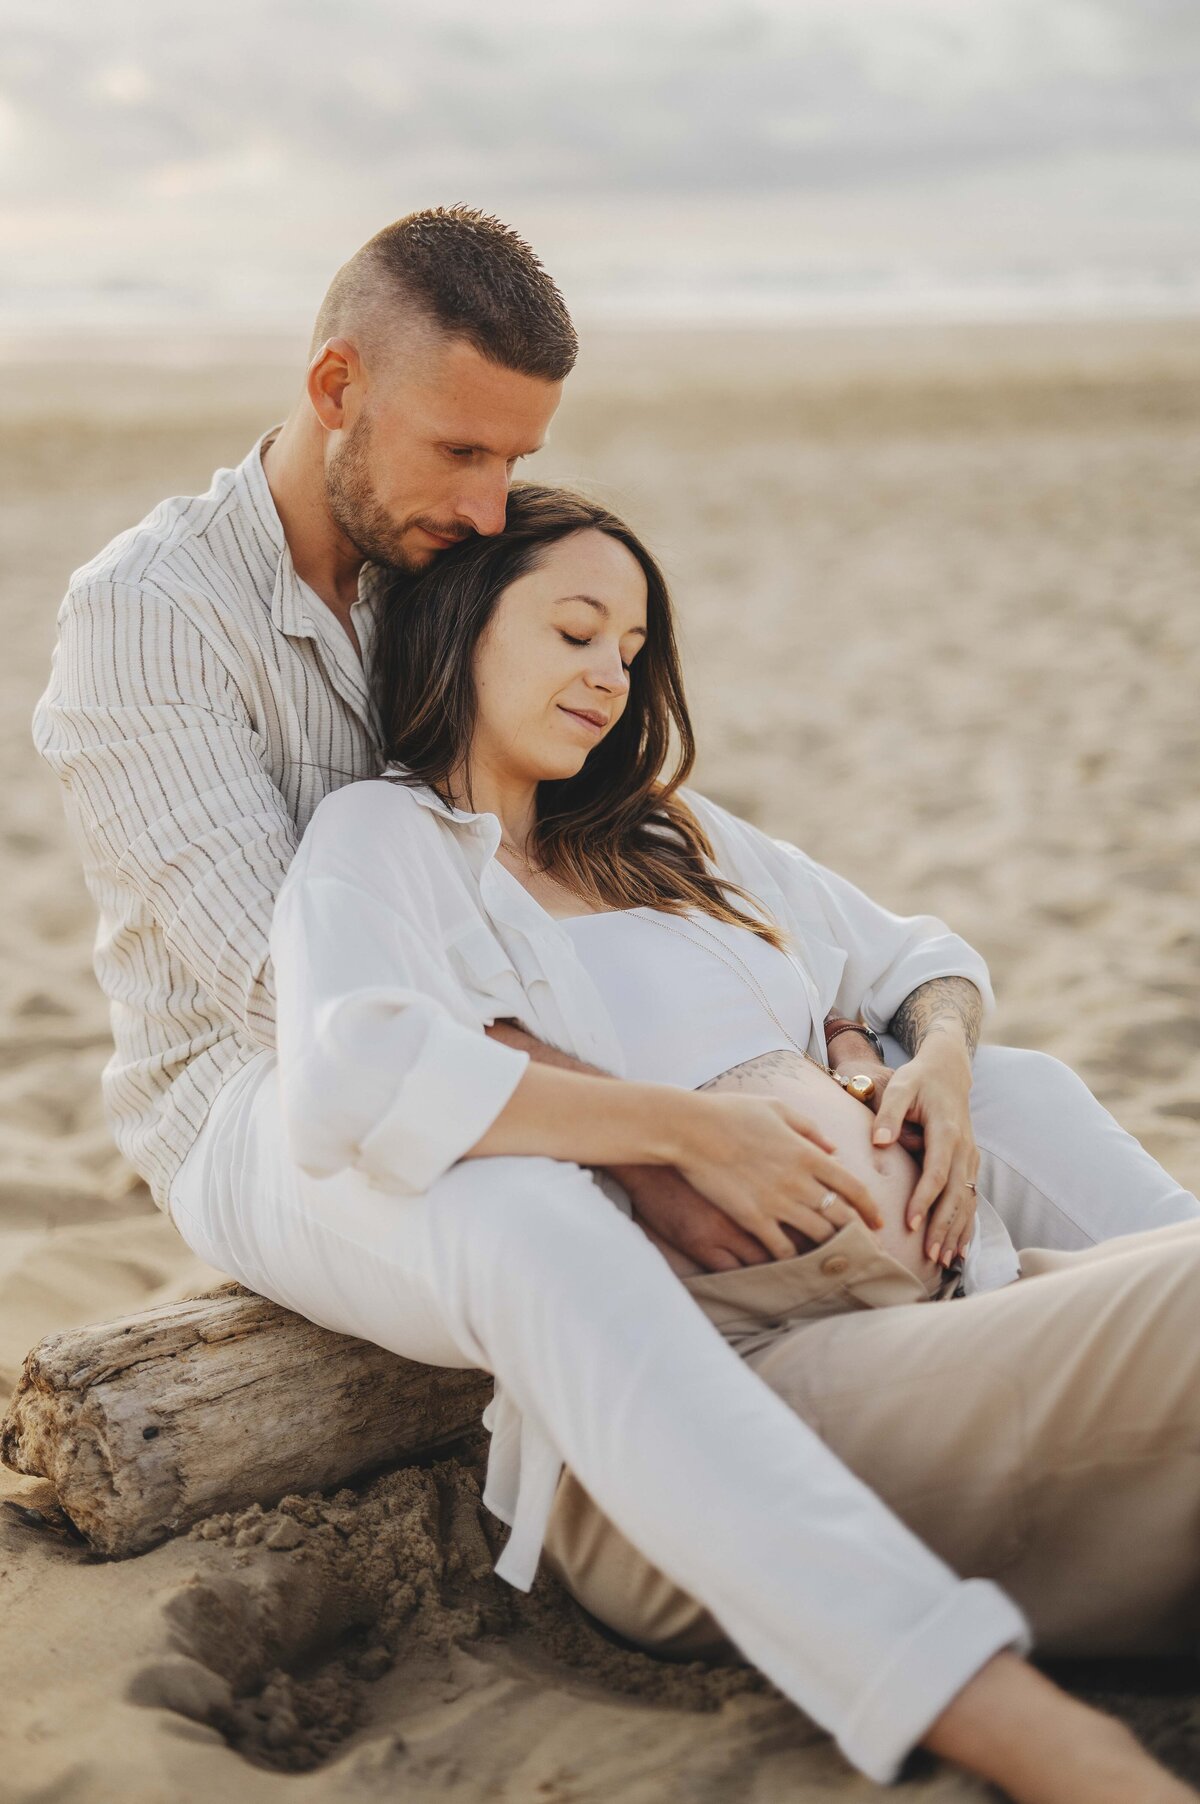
835 1265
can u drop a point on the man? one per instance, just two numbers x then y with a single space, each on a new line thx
209 688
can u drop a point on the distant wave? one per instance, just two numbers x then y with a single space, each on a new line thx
649 297
889 295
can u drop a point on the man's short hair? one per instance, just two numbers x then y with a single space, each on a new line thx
466 273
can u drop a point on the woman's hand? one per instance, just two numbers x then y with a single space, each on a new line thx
933 1092
911 1137
768 1169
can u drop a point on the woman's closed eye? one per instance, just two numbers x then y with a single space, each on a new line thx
572 640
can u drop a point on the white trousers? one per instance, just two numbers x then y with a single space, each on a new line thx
1054 1164
525 1268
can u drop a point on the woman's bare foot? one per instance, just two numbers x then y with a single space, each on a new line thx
1013 1726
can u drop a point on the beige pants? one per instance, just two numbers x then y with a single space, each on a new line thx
1045 1435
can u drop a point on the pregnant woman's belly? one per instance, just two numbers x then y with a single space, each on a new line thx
889 1173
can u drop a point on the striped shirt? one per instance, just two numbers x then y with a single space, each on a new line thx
202 701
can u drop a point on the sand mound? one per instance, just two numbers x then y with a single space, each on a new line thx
281 1649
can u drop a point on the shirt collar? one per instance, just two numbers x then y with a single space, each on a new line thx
429 798
290 598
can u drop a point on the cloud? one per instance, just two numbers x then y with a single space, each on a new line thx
714 95
229 156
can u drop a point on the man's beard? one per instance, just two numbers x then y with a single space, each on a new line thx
359 515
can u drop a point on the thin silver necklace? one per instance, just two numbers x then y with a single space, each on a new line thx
744 975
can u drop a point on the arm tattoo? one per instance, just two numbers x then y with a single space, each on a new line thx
942 999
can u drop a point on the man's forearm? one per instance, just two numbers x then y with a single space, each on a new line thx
950 1006
511 1035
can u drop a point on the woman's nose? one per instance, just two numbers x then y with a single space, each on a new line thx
610 675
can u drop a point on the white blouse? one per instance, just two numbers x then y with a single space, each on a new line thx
690 997
397 939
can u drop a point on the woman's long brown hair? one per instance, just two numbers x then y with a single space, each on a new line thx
616 832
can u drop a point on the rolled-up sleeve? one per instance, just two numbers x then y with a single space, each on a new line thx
878 957
377 1068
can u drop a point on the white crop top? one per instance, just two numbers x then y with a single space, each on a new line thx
683 1007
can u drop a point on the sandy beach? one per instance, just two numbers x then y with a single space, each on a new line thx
938 596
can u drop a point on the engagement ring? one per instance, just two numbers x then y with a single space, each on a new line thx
828 1200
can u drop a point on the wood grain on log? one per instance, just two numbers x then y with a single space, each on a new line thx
147 1424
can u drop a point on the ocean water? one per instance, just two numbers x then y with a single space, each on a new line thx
649 296
1094 238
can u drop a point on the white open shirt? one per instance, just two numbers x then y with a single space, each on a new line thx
396 940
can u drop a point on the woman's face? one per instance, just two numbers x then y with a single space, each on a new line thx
552 666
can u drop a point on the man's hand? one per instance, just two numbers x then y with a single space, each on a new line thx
676 1216
673 1213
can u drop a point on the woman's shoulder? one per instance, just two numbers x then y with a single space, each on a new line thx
373 820
730 833
748 854
385 797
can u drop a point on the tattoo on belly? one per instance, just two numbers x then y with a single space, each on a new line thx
761 1072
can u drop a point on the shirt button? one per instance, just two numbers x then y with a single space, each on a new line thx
835 1265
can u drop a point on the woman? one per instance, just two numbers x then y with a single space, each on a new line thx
421 1183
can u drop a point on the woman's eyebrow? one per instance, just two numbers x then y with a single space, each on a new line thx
601 608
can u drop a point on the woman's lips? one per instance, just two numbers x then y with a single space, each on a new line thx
595 723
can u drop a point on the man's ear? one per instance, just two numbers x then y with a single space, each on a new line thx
336 368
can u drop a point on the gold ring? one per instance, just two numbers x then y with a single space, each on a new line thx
970 1186
828 1200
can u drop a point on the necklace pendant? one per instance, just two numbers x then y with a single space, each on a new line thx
861 1087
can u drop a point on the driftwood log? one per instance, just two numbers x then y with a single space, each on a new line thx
147 1424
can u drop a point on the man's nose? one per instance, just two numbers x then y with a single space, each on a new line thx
485 503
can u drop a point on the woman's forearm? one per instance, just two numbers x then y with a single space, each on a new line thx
592 1120
759 1161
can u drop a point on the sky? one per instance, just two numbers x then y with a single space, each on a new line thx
751 158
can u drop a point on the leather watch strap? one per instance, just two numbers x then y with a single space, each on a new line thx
840 1025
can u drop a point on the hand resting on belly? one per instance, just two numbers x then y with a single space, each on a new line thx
890 1173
